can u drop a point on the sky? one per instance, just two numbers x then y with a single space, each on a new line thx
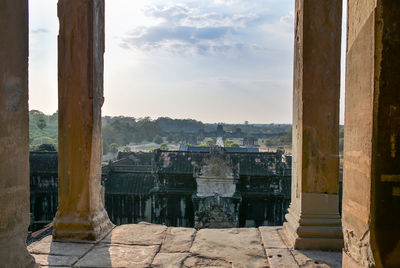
211 60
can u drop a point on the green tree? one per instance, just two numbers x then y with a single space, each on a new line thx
211 142
170 138
113 148
230 143
200 138
41 124
341 132
158 139
268 142
341 145
164 147
127 149
287 139
177 138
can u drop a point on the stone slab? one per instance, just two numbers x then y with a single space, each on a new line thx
196 261
52 260
169 260
316 258
178 239
137 234
281 257
47 246
240 246
271 238
108 255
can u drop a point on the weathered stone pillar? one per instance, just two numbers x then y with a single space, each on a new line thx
313 221
14 134
81 214
371 179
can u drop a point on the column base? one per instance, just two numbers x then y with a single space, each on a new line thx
78 227
317 230
13 251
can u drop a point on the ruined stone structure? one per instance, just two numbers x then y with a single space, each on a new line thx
371 180
371 214
249 141
43 188
190 189
216 200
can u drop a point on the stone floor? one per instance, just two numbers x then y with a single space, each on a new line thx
150 245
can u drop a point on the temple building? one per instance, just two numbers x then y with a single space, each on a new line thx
365 234
214 188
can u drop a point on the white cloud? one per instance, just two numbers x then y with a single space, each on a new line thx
187 31
226 2
183 15
283 27
39 31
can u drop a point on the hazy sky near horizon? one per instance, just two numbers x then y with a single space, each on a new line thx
210 60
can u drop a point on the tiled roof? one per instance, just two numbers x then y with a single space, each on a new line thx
129 183
184 162
43 162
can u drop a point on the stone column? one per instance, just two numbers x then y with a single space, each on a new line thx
371 175
313 220
81 214
14 134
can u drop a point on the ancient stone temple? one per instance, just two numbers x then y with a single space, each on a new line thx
217 188
216 200
368 233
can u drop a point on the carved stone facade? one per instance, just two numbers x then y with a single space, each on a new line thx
216 200
371 184
176 188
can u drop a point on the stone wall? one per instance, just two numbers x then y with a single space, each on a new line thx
159 188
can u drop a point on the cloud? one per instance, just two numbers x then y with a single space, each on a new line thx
226 2
182 15
186 30
39 31
287 20
281 28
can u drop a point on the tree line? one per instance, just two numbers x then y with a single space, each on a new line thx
124 130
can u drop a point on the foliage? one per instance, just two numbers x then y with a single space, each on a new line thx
47 147
127 149
170 138
268 142
341 139
287 138
341 145
230 143
158 139
127 130
211 142
113 148
178 137
179 125
164 147
41 122
200 137
48 134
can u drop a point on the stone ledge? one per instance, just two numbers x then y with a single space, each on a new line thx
279 254
151 245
